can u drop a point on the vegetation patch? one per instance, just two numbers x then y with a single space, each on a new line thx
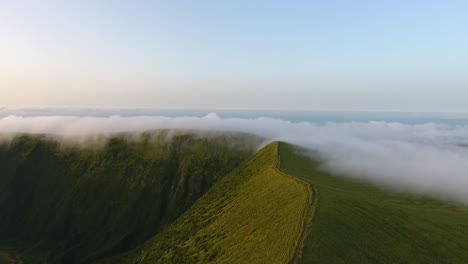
74 204
358 222
253 215
7 258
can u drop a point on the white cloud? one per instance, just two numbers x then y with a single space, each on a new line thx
424 158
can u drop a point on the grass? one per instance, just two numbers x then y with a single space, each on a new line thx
253 215
67 204
358 222
79 205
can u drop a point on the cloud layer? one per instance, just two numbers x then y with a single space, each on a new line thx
424 158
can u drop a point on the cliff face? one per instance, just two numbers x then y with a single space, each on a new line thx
75 204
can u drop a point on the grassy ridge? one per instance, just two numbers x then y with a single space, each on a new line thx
357 222
253 215
74 204
308 214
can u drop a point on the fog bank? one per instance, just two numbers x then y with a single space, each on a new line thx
424 158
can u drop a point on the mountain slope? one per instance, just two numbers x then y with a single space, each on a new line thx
253 215
74 204
357 222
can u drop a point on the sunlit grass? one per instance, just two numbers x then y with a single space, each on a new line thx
253 215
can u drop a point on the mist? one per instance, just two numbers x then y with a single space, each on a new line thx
430 159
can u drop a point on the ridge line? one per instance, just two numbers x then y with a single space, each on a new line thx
308 213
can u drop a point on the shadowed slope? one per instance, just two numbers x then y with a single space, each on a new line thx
357 222
76 204
253 215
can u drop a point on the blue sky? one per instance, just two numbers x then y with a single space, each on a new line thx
307 55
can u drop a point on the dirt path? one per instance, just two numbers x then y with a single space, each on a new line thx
309 213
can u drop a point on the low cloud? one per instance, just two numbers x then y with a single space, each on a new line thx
424 158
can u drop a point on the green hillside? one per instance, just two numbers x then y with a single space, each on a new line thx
357 222
253 215
74 204
179 197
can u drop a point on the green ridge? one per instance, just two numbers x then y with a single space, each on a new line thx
357 222
154 200
253 215
77 204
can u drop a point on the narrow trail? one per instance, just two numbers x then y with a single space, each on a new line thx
309 212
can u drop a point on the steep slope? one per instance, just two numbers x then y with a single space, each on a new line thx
73 204
357 222
253 215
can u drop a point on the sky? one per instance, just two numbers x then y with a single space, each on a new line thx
295 55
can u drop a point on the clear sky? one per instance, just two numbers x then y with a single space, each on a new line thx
409 55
